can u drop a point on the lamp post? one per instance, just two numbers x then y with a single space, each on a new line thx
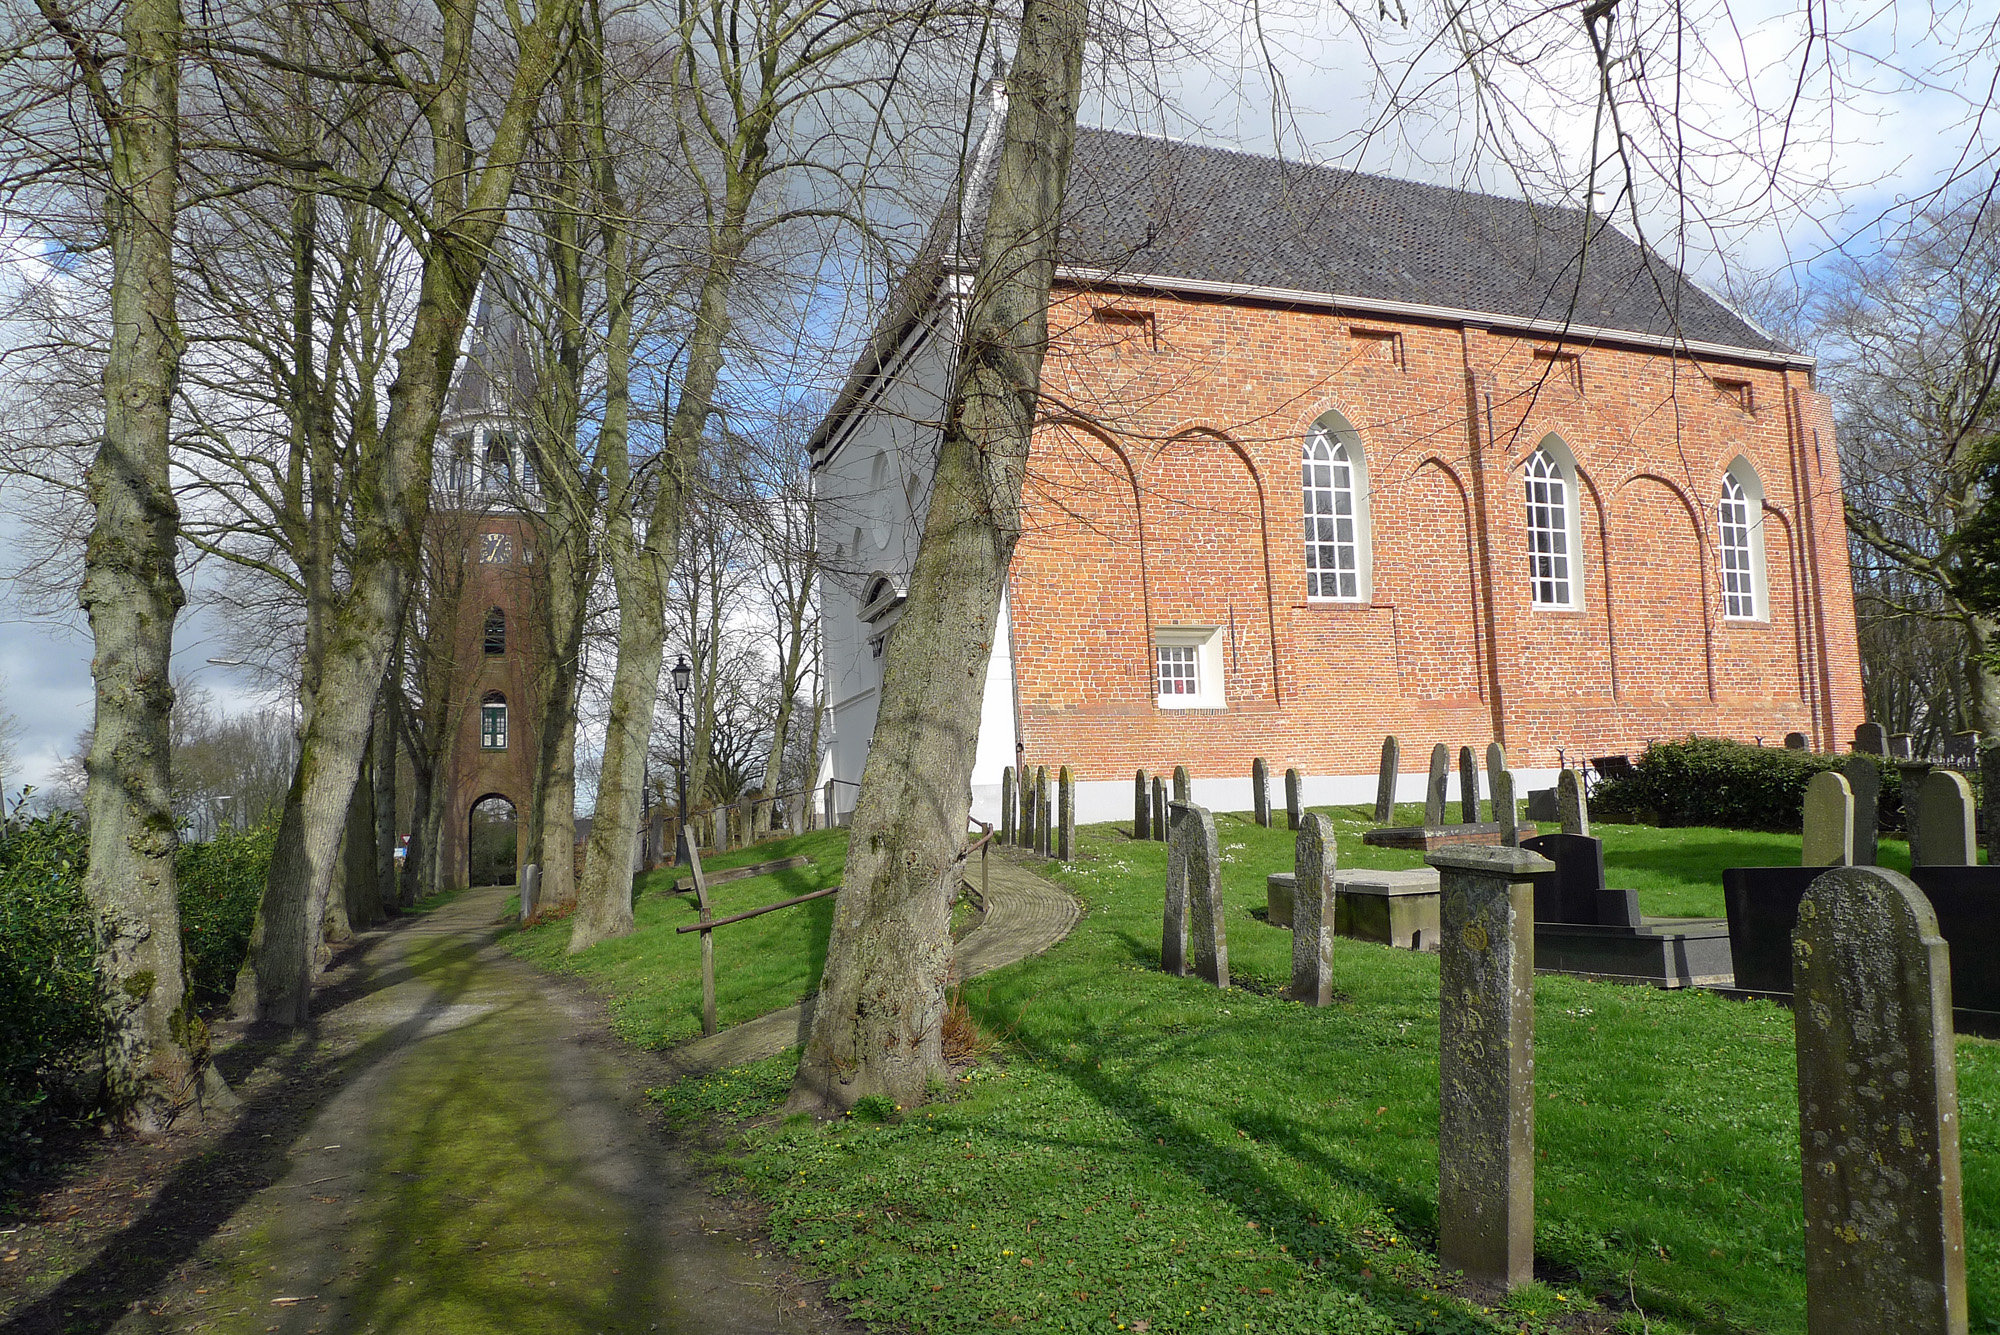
682 675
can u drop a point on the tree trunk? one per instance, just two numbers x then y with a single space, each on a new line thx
423 836
363 897
392 494
155 1054
383 759
553 841
876 1028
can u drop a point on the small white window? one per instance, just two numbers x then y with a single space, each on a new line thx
1551 531
1740 544
1186 670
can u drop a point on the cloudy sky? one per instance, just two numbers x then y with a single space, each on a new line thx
1760 151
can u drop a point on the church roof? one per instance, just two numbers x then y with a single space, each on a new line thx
1155 207
1143 211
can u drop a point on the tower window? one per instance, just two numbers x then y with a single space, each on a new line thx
499 463
1548 532
493 722
496 632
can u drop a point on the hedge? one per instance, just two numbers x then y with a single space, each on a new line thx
1713 781
49 1040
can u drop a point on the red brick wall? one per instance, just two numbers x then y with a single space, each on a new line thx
1194 517
471 772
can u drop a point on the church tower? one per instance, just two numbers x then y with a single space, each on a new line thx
485 530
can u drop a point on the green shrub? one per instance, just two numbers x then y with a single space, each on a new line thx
48 978
220 883
1712 781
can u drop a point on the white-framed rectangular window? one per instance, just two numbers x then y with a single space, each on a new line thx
1187 671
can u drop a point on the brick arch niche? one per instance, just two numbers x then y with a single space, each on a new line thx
471 809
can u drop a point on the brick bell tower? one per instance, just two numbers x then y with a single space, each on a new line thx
485 533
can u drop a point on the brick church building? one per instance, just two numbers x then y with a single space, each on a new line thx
1327 456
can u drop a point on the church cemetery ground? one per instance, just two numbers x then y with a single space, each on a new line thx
1142 1152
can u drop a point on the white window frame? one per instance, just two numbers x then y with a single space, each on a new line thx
1204 642
1743 575
493 725
1352 579
1554 527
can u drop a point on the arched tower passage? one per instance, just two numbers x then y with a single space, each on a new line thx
495 830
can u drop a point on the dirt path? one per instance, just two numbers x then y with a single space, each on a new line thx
466 1151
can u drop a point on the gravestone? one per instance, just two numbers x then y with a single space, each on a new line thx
1183 786
1066 815
1486 1063
1194 847
830 815
1468 786
1899 746
1878 1110
1142 806
1313 906
1572 807
1505 810
1174 926
1293 809
1989 785
1963 745
1434 786
1044 811
1864 779
1574 891
1260 791
1871 739
1828 822
531 890
1031 805
1385 781
1944 822
1910 776
1795 741
1007 805
1496 761
1160 831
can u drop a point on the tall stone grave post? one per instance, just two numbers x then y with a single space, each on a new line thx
1044 812
831 815
1260 791
1468 786
1486 1062
1828 822
1066 814
1864 779
1496 760
1173 925
1385 781
531 889
1989 784
1900 747
1024 831
1007 805
1183 786
1142 806
1571 802
1944 822
1159 809
1910 783
1871 739
1313 865
1434 787
1878 1110
1194 835
1505 810
1294 800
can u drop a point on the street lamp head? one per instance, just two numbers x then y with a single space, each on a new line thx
682 675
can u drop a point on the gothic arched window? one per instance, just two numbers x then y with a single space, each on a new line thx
1740 544
1551 530
496 632
1334 495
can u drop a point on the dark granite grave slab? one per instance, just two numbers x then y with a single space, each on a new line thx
1428 838
1763 908
1666 952
1575 892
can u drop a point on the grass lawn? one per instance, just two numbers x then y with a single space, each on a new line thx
653 976
1146 1154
